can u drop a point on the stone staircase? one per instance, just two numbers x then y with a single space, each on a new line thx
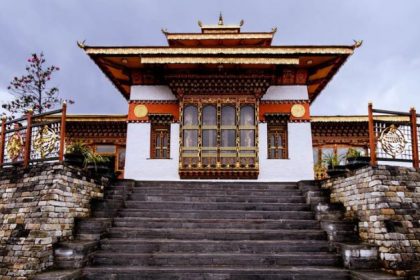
201 230
214 230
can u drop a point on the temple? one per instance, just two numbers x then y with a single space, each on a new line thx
219 104
228 174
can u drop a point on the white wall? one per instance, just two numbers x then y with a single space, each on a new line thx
151 93
138 164
299 166
286 93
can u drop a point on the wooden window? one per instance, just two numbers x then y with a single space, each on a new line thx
160 141
277 141
221 134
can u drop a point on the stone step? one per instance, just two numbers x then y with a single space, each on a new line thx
73 254
238 196
374 275
69 274
92 228
217 234
287 205
216 223
196 185
217 192
215 272
216 259
211 246
93 225
216 214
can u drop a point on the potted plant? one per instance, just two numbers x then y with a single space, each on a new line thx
97 164
356 159
76 153
333 163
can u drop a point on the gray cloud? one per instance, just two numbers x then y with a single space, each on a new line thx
384 70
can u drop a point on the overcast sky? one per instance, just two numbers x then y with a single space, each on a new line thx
385 70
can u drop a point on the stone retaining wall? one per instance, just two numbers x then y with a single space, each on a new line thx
37 208
385 200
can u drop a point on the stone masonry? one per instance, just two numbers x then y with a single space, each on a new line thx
38 207
384 200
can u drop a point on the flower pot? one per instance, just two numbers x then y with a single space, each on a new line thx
336 171
74 159
354 163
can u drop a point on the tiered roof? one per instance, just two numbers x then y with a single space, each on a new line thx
216 49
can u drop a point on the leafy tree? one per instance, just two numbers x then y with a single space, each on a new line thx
31 90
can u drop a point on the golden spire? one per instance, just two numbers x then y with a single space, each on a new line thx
220 19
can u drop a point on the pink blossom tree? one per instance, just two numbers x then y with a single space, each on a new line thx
31 90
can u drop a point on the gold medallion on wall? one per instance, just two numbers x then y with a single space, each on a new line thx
298 111
140 111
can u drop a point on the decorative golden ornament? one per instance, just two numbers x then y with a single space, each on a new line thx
140 111
298 110
45 141
392 141
14 146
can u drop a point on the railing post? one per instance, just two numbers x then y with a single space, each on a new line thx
372 136
414 140
62 131
28 138
2 138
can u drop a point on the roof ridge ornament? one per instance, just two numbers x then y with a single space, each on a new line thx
220 19
81 44
357 43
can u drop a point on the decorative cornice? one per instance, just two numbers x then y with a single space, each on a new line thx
161 118
153 102
276 118
297 101
209 36
283 50
219 84
218 60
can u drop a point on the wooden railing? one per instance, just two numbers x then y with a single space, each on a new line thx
33 138
394 139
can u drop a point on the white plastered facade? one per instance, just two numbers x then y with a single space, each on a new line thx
299 165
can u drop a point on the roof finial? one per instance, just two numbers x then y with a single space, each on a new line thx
220 19
81 44
357 43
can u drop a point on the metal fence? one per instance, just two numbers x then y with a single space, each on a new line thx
33 138
395 138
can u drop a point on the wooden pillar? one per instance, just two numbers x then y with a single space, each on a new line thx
62 131
414 139
372 136
27 154
2 138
